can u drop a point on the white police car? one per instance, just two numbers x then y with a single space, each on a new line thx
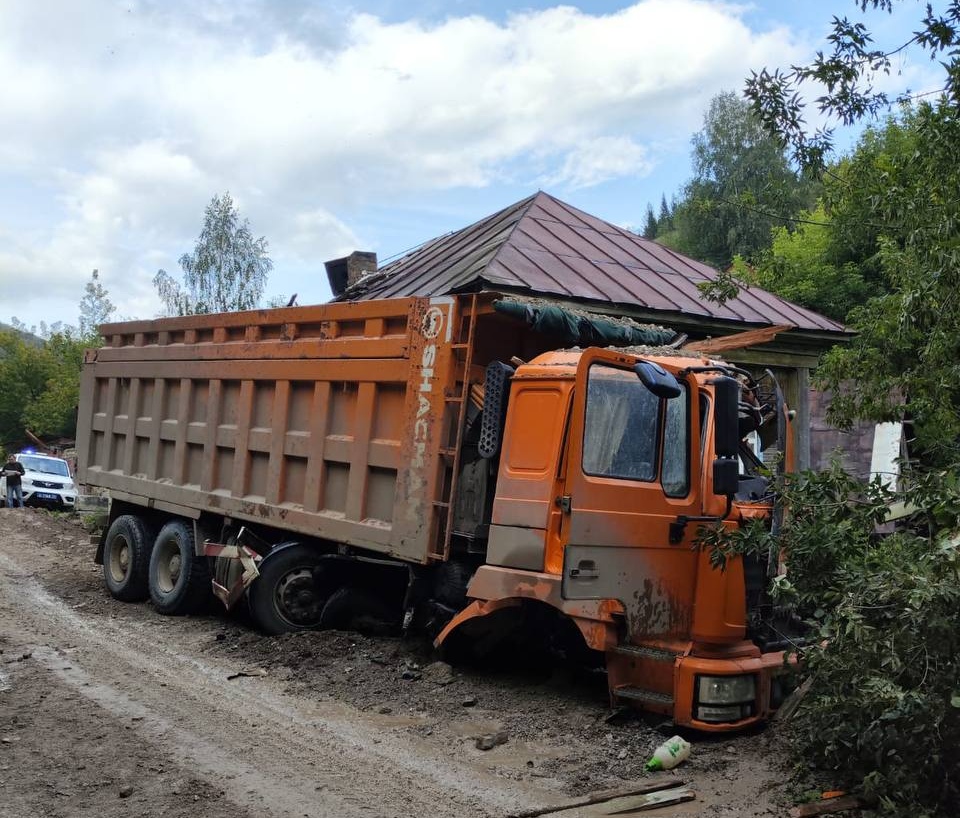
46 482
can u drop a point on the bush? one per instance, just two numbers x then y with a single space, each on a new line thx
882 715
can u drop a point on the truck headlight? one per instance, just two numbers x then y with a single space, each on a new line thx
726 689
725 698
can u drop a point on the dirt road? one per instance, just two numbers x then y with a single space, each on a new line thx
110 710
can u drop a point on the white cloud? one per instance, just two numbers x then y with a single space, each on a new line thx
597 160
125 119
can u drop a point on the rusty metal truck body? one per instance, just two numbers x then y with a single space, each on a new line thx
296 454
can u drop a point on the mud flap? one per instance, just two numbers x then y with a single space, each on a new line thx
248 559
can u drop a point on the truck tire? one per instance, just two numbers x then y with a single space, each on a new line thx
359 609
286 596
452 579
126 558
179 581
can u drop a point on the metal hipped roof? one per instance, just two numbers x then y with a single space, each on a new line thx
545 246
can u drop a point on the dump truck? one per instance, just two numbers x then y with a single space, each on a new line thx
453 464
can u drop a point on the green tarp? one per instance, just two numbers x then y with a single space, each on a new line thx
579 330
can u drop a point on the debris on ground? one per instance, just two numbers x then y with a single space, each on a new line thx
827 806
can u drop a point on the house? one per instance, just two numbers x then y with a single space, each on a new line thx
543 247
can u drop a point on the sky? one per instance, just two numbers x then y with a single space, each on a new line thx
339 126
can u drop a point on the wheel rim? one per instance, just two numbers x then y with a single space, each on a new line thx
168 565
119 558
296 599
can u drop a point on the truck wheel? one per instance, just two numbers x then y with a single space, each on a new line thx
126 558
286 596
452 579
179 581
352 608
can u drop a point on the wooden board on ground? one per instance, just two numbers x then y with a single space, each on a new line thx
596 803
827 807
640 803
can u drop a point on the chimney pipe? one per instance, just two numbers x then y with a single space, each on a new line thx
343 273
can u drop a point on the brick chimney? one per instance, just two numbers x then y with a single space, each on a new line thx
343 273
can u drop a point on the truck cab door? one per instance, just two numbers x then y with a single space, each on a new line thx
632 476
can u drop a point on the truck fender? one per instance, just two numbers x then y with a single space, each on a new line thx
597 635
474 610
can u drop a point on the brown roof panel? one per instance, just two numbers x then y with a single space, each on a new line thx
547 246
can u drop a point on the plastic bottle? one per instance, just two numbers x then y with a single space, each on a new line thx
669 754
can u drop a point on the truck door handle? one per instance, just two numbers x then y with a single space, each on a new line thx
564 503
586 569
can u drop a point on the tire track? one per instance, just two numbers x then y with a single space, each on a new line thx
271 752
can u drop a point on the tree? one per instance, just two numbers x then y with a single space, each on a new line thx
39 385
742 187
95 307
883 710
905 218
665 219
650 224
803 266
846 76
227 270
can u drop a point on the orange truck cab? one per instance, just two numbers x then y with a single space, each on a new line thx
609 464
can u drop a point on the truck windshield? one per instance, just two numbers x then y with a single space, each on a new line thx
621 423
46 465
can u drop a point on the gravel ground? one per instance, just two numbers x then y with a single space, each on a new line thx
110 709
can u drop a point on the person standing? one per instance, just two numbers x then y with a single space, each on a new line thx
13 471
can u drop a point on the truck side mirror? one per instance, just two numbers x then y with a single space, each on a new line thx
726 420
660 382
496 390
726 476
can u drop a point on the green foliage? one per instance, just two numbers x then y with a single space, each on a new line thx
846 73
227 270
650 224
39 386
908 346
883 713
742 186
802 265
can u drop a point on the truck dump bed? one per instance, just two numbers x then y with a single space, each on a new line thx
337 421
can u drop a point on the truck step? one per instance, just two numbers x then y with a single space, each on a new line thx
640 694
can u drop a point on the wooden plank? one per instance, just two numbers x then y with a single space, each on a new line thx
740 340
792 703
600 797
827 806
802 424
641 803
